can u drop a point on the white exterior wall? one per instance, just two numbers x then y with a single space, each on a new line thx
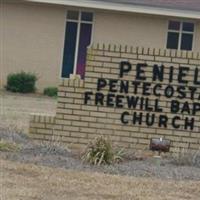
32 37
130 29
137 30
33 41
197 37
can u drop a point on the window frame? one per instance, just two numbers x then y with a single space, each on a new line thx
79 21
181 32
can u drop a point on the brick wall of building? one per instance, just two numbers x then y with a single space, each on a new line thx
78 119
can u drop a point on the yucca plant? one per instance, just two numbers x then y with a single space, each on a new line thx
100 151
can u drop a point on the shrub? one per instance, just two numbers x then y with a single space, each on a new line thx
21 82
51 91
100 151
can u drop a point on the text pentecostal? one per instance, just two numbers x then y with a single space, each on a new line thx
139 95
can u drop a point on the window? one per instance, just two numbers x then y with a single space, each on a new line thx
77 38
180 35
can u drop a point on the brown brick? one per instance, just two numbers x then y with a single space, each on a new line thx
38 125
98 114
77 123
70 128
78 134
163 59
180 60
146 57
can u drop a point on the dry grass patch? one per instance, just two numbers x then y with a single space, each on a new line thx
15 109
28 182
185 157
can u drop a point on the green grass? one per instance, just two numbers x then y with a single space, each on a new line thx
6 146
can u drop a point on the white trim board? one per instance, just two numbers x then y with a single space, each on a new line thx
124 8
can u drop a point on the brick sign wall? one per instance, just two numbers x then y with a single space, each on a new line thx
130 95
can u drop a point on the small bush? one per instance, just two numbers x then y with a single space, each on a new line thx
51 91
100 151
21 82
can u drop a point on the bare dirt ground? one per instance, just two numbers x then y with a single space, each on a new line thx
51 172
31 182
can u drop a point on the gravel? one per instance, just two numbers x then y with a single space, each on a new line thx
56 155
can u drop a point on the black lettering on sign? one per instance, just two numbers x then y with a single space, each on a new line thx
101 83
147 105
99 98
197 76
123 117
181 92
157 106
119 101
156 89
124 86
174 122
185 108
140 73
146 89
137 118
87 97
163 121
110 101
142 103
135 85
113 85
169 91
175 106
183 71
125 67
158 72
196 108
132 101
171 74
192 92
189 123
150 119
133 93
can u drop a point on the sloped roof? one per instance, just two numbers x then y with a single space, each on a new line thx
175 8
171 4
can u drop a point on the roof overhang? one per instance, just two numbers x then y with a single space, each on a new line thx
124 8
